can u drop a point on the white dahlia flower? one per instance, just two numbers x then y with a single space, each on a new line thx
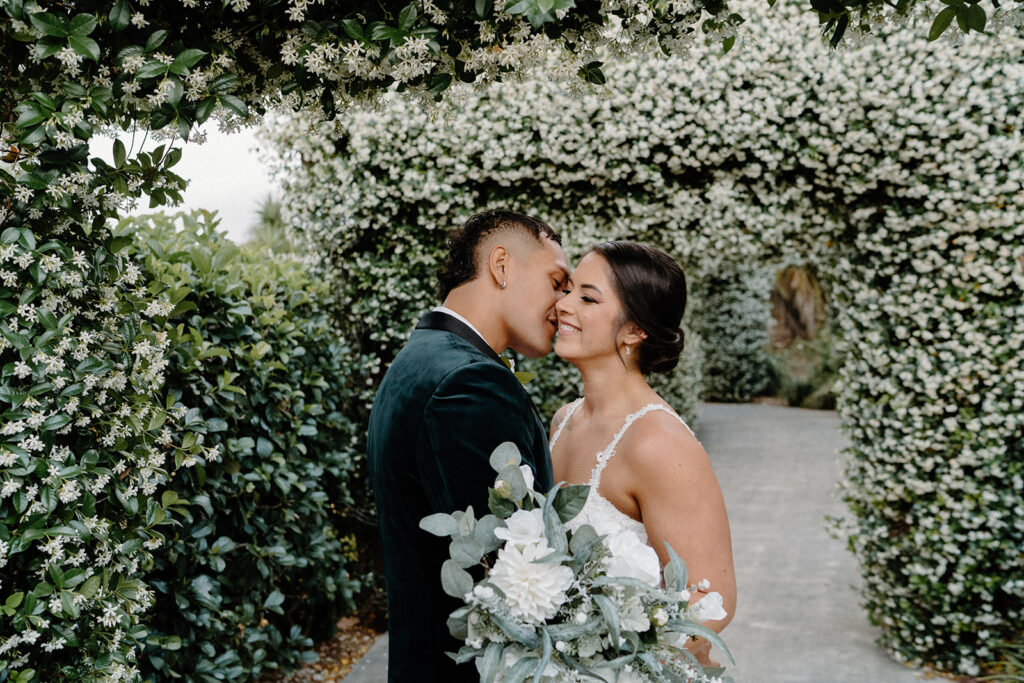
534 591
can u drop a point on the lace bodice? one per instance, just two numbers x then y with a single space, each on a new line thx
598 511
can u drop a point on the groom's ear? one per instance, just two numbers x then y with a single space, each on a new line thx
497 264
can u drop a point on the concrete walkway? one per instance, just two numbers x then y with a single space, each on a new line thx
797 618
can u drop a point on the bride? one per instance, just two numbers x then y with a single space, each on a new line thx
618 322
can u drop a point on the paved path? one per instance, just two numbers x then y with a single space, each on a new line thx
797 620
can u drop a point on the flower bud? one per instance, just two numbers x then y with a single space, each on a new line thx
503 489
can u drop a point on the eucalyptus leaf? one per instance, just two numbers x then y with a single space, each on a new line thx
505 456
440 524
455 580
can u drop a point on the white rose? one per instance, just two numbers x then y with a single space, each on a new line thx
524 527
632 558
527 475
708 608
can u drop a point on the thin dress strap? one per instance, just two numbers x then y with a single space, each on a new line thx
604 456
558 430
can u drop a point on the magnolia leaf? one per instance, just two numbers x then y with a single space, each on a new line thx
569 500
499 506
553 529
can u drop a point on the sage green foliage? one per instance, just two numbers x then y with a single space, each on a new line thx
261 562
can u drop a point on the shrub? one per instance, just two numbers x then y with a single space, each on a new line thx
261 563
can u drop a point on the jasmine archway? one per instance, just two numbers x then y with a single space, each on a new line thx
896 168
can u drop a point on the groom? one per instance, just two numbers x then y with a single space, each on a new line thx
445 404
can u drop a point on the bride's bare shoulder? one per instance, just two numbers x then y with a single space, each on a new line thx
660 439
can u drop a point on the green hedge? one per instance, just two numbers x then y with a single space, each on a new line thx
177 453
261 562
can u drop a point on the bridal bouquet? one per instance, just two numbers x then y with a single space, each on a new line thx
563 604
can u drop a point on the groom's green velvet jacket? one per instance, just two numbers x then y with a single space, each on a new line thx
444 405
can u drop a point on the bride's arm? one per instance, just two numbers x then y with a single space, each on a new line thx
681 502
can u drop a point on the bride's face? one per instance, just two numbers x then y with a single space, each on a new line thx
590 316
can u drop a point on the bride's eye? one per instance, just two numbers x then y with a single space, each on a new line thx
588 299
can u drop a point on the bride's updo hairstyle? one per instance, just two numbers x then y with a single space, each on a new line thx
652 289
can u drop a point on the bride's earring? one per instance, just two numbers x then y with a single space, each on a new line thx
503 285
628 350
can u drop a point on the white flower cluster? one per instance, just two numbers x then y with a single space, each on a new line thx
78 443
894 167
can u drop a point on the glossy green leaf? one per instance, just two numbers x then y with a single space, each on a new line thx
941 23
87 47
48 24
119 16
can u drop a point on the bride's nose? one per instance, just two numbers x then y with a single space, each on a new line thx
561 306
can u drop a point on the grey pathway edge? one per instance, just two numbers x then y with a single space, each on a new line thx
797 617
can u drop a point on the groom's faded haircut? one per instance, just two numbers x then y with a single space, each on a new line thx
464 243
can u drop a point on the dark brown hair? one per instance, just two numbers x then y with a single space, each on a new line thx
461 266
652 289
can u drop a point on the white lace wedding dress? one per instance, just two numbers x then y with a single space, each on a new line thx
621 529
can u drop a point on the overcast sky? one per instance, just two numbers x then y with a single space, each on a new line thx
225 174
